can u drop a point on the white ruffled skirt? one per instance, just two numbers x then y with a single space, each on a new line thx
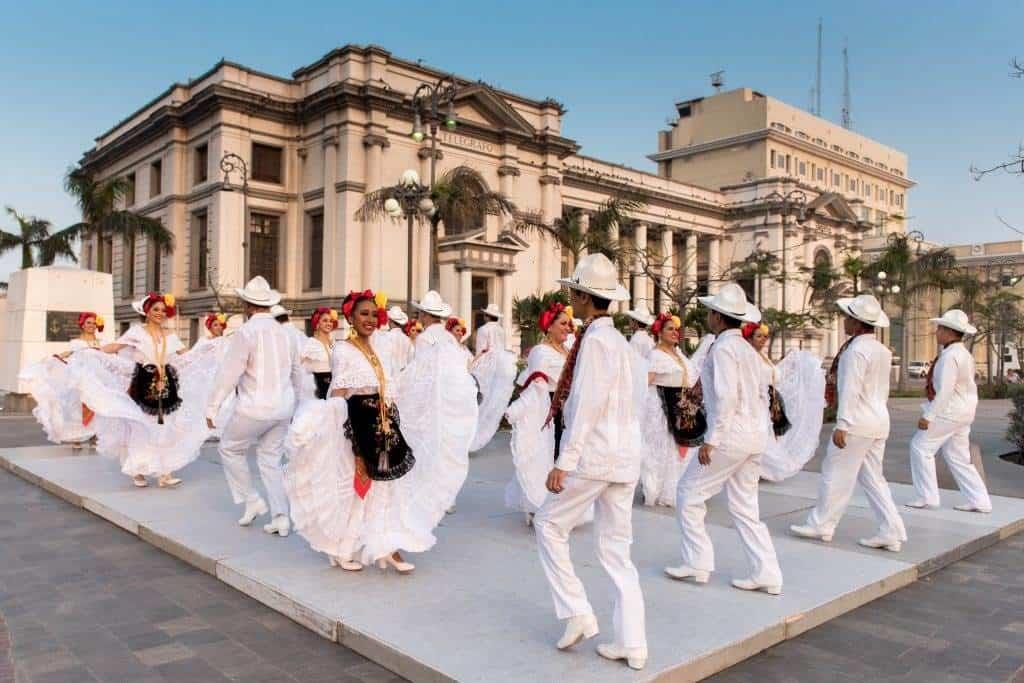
802 387
58 404
124 431
661 467
495 372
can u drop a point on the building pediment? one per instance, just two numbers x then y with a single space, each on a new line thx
832 205
481 105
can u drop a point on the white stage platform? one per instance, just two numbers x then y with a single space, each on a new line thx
477 607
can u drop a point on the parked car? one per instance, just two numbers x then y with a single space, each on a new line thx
918 368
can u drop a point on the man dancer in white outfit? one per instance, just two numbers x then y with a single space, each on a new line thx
736 400
599 465
861 377
946 422
262 363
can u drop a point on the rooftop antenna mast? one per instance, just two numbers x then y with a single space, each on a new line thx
817 80
718 80
847 120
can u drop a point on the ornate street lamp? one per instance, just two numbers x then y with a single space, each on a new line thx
230 163
428 101
793 201
409 198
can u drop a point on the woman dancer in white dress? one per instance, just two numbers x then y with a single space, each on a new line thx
534 446
148 395
349 464
800 381
316 354
669 372
494 369
59 408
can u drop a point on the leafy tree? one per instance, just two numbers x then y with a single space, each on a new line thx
98 201
38 246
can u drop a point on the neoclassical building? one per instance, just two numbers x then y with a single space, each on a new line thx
317 142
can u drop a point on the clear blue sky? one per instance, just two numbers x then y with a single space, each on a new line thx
928 78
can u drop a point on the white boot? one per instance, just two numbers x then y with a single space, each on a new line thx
253 509
280 525
635 657
576 629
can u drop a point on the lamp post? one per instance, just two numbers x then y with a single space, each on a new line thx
792 200
229 163
409 198
428 101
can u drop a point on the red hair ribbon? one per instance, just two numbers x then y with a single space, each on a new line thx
660 321
548 317
749 329
166 299
321 312
348 305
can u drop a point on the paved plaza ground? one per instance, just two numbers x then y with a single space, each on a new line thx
72 586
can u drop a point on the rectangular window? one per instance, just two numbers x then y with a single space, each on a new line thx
156 172
200 250
200 161
128 267
263 237
315 255
266 163
129 195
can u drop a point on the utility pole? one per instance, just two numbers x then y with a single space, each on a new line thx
817 81
847 120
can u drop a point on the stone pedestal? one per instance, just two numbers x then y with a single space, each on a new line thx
41 314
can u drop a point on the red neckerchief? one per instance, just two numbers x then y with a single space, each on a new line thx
832 378
565 381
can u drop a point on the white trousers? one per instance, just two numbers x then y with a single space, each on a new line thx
268 435
954 441
737 473
841 470
613 524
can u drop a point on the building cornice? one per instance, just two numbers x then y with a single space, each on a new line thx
782 138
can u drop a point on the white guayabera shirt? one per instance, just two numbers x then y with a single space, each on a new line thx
602 438
735 395
862 387
956 394
261 361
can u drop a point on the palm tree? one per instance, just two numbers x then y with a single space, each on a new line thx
567 230
38 246
460 198
915 273
98 201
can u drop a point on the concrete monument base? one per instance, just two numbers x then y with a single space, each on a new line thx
477 607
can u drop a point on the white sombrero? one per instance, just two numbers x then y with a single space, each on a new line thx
433 304
731 300
864 308
397 315
641 314
258 292
956 320
597 276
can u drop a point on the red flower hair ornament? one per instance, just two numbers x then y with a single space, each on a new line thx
166 299
85 315
749 329
548 317
663 318
348 305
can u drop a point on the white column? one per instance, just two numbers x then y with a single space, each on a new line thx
640 294
505 285
372 230
465 294
714 269
667 269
